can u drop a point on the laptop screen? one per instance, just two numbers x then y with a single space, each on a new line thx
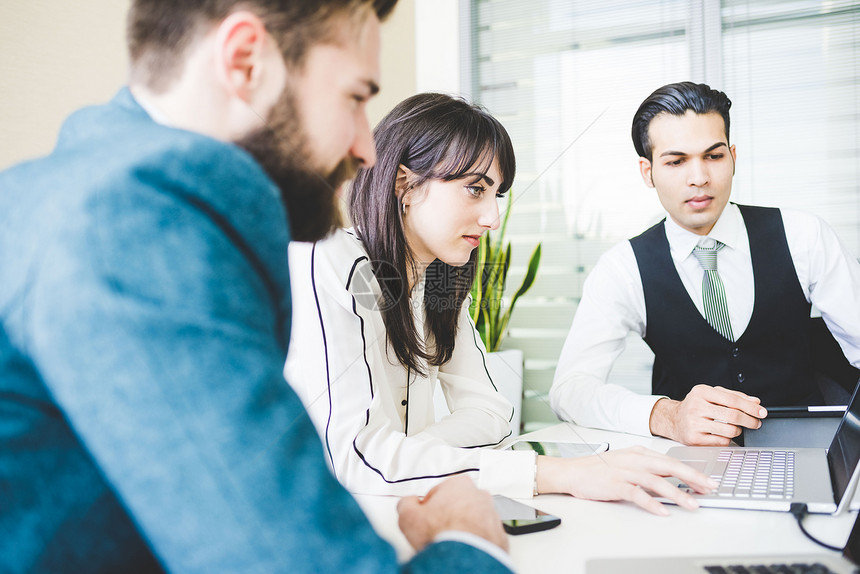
844 452
852 547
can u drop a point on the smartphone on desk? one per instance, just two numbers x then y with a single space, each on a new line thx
562 449
519 518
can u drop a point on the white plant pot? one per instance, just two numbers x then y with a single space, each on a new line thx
506 370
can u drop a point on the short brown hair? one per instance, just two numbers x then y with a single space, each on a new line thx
160 31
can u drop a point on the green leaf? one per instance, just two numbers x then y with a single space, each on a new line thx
492 263
531 273
528 280
487 332
477 285
505 264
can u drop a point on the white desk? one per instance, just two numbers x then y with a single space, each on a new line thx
601 529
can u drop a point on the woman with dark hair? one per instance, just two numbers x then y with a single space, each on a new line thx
381 318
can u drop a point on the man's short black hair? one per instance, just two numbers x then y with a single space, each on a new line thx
676 99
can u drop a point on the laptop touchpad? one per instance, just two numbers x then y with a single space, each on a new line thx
699 465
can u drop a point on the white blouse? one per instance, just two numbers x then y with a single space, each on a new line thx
376 417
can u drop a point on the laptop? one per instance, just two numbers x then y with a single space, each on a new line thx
773 478
815 563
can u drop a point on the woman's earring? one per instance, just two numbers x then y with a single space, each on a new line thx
403 206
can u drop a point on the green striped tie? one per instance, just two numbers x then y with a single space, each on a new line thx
713 292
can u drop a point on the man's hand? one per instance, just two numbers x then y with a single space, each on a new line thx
623 475
708 416
455 504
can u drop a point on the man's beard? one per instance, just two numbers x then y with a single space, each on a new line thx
281 147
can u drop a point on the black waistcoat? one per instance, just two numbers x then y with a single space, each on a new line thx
770 360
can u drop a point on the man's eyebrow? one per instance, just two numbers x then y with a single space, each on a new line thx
680 153
372 86
670 152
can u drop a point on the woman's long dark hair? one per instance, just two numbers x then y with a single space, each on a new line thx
436 137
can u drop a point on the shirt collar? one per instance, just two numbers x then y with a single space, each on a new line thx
726 230
151 109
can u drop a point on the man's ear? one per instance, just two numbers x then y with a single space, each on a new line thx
241 42
645 171
734 158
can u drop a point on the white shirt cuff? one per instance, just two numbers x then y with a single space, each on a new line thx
652 400
507 472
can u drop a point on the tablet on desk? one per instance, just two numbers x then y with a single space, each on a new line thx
796 427
822 411
560 449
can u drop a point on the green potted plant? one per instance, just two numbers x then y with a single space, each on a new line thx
492 316
488 310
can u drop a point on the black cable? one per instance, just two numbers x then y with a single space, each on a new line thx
799 510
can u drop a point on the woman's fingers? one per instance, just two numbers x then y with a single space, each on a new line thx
638 474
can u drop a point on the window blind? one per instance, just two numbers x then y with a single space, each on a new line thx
566 76
793 74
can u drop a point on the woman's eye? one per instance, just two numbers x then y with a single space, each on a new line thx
475 190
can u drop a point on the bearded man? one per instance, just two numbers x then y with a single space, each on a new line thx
145 424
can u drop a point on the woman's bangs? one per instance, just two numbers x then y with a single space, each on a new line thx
465 157
475 152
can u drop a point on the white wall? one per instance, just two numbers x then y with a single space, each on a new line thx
437 46
57 56
397 60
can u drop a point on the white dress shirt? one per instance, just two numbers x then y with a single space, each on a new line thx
380 433
613 305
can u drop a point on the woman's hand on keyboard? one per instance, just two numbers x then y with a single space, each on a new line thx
627 474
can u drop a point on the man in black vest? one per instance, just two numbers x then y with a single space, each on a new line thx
720 292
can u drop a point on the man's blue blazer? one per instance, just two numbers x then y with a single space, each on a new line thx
145 424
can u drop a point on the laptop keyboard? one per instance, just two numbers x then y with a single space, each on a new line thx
755 474
770 569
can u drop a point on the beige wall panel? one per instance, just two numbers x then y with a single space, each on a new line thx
55 56
398 61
